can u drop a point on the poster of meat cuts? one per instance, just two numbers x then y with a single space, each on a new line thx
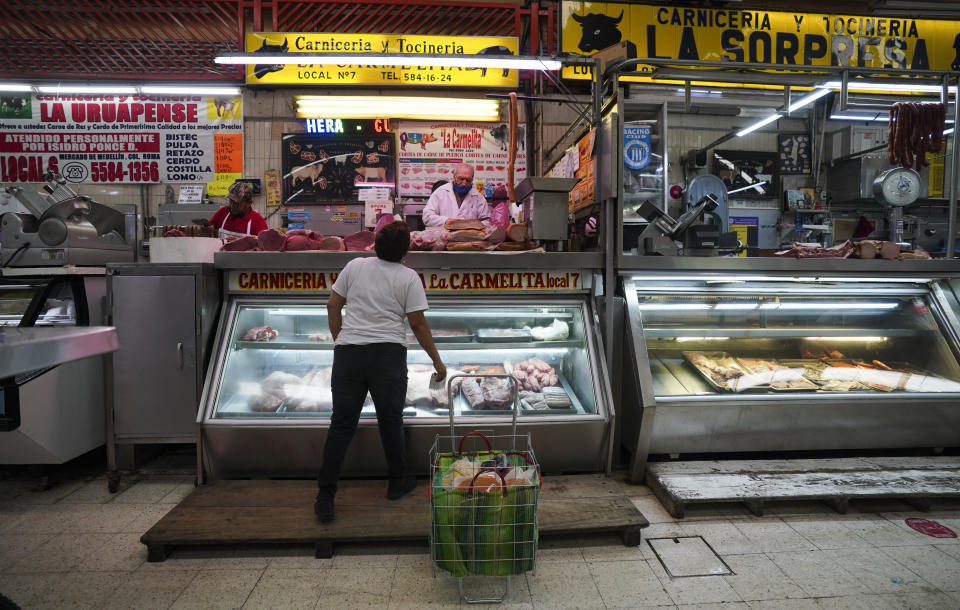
431 151
121 139
334 167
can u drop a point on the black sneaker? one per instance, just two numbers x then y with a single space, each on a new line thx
323 507
401 487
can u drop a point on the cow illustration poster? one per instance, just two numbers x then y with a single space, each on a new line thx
122 139
429 152
332 168
899 44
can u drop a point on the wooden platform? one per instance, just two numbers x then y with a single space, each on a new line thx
835 481
277 512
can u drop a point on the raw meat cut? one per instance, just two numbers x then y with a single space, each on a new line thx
359 241
917 253
174 233
242 244
418 385
311 234
313 394
279 383
432 238
265 403
270 240
458 224
260 333
534 374
516 246
495 235
802 250
466 235
517 232
296 243
382 221
469 246
473 393
496 393
331 244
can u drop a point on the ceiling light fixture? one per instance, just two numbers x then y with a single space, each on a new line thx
15 87
808 99
510 62
104 89
855 85
758 125
187 90
361 107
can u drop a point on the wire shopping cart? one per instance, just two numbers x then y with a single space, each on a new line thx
483 502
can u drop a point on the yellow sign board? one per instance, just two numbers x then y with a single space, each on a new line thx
319 43
900 45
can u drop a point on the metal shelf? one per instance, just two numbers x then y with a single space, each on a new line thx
443 347
736 333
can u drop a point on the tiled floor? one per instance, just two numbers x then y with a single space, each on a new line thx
77 546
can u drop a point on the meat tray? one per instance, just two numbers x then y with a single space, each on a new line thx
876 378
813 370
792 381
574 408
727 362
503 335
464 338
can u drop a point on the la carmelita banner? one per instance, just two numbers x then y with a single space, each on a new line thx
755 36
406 76
121 139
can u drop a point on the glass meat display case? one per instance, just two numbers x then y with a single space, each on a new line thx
766 363
271 381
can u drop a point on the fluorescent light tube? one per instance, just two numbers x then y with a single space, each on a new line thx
188 90
100 89
887 86
883 118
310 106
844 338
758 125
948 131
815 305
15 87
673 306
736 306
808 99
396 59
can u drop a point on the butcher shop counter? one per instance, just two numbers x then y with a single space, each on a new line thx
771 354
529 314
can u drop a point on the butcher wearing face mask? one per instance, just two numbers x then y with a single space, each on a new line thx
238 217
370 355
457 199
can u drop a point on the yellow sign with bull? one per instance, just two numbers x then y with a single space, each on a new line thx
900 45
347 74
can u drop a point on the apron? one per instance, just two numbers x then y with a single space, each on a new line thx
223 233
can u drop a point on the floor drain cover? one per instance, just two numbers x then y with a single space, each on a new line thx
688 556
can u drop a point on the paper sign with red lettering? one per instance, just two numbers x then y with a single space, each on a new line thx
119 139
452 282
431 151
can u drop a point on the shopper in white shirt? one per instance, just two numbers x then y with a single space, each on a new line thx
458 199
370 355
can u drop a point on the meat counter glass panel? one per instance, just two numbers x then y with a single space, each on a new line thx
788 341
278 364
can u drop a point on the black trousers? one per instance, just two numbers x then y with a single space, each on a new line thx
381 369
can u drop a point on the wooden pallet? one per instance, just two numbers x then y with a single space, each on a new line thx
834 481
281 512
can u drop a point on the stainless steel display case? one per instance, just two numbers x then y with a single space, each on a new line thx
716 345
63 409
286 438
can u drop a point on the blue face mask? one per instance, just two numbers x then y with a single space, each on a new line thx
461 189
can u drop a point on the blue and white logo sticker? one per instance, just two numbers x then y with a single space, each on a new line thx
636 147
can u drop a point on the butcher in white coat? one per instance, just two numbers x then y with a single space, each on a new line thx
457 199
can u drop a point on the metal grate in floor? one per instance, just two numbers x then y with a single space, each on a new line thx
685 556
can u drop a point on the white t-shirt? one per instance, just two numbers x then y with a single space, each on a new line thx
379 296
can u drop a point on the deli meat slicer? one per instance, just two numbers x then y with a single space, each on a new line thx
61 227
